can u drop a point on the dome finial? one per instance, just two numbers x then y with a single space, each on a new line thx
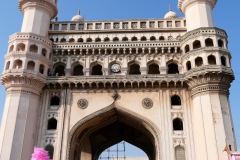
78 11
170 7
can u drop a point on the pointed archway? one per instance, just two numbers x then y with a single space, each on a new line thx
102 129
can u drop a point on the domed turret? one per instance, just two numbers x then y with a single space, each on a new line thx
78 17
171 14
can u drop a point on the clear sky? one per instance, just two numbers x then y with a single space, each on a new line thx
226 16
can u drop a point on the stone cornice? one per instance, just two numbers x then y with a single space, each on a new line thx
182 4
49 7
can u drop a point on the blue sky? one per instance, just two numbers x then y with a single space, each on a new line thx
226 16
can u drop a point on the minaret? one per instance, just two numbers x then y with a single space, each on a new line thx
208 73
26 66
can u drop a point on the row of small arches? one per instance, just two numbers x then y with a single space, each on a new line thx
32 48
208 43
211 61
115 39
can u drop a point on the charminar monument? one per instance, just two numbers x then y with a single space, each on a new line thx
77 87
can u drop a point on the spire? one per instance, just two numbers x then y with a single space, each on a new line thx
78 11
170 7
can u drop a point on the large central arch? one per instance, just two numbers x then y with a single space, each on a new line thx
102 129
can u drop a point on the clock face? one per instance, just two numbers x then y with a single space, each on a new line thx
115 68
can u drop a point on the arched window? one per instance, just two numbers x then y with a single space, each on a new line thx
71 40
211 60
209 42
56 39
106 39
52 124
134 39
220 43
59 70
177 124
11 48
152 38
33 48
198 61
173 68
196 44
98 39
97 70
180 153
78 70
80 40
55 101
188 65
187 48
134 69
17 64
41 68
115 39
51 39
89 40
161 38
21 47
63 40
223 60
7 65
50 150
143 38
31 65
44 52
153 69
125 39
175 100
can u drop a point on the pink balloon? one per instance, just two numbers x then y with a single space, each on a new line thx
40 154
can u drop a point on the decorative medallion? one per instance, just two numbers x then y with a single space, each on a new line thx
115 68
82 103
147 103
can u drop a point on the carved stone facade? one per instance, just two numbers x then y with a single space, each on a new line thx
80 86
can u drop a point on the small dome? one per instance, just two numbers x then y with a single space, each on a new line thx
171 14
78 17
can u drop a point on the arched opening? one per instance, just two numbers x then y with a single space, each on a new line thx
7 65
198 61
44 52
33 48
71 40
11 48
220 43
134 69
98 39
80 40
152 38
115 39
180 153
209 42
52 124
153 68
97 70
173 68
106 39
78 70
124 39
196 44
21 47
223 60
134 39
41 68
89 40
188 65
59 70
187 48
175 100
211 60
50 150
177 124
31 65
63 40
161 38
143 38
17 64
112 126
55 101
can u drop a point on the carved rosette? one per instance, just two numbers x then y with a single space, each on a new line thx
82 103
147 103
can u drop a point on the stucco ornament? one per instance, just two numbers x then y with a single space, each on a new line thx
82 103
147 103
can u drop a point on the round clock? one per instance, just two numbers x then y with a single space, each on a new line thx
115 68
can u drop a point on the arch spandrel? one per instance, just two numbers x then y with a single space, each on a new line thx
107 116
